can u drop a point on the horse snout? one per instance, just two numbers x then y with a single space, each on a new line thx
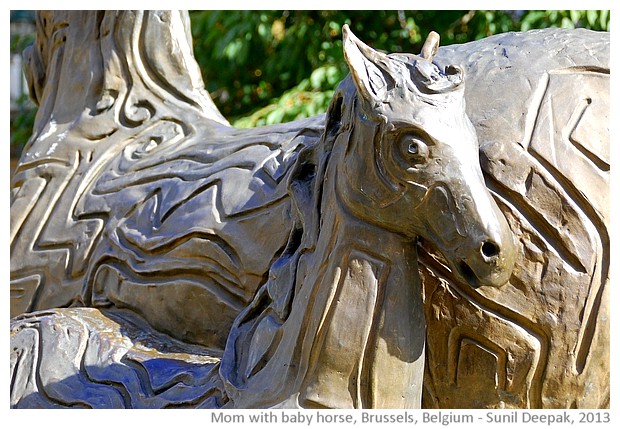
491 264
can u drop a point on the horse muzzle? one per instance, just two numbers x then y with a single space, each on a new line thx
472 234
490 265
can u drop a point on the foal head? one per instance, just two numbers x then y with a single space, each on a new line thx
411 160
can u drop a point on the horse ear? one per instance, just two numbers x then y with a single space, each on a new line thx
370 69
431 46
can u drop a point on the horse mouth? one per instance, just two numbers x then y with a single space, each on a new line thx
468 274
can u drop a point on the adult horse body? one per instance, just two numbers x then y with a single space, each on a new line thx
540 102
136 198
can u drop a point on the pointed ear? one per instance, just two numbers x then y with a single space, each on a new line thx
371 70
431 46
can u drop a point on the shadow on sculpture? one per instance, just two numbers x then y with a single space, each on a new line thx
143 368
279 266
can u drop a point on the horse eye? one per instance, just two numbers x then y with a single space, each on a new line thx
413 148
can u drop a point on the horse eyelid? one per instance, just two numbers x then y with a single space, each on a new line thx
413 132
416 145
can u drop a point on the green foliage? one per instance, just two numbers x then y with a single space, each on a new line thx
264 67
249 58
592 19
309 98
22 121
21 125
19 42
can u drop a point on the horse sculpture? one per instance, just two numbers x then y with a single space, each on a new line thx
275 267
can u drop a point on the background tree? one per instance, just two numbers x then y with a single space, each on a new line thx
265 67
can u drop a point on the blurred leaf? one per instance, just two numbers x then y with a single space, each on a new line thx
567 23
575 15
21 126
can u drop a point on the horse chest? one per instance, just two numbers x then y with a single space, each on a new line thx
370 346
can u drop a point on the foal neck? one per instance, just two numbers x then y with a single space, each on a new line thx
369 347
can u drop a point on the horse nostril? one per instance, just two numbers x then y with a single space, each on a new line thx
489 249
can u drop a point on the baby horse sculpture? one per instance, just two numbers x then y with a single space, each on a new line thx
340 319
